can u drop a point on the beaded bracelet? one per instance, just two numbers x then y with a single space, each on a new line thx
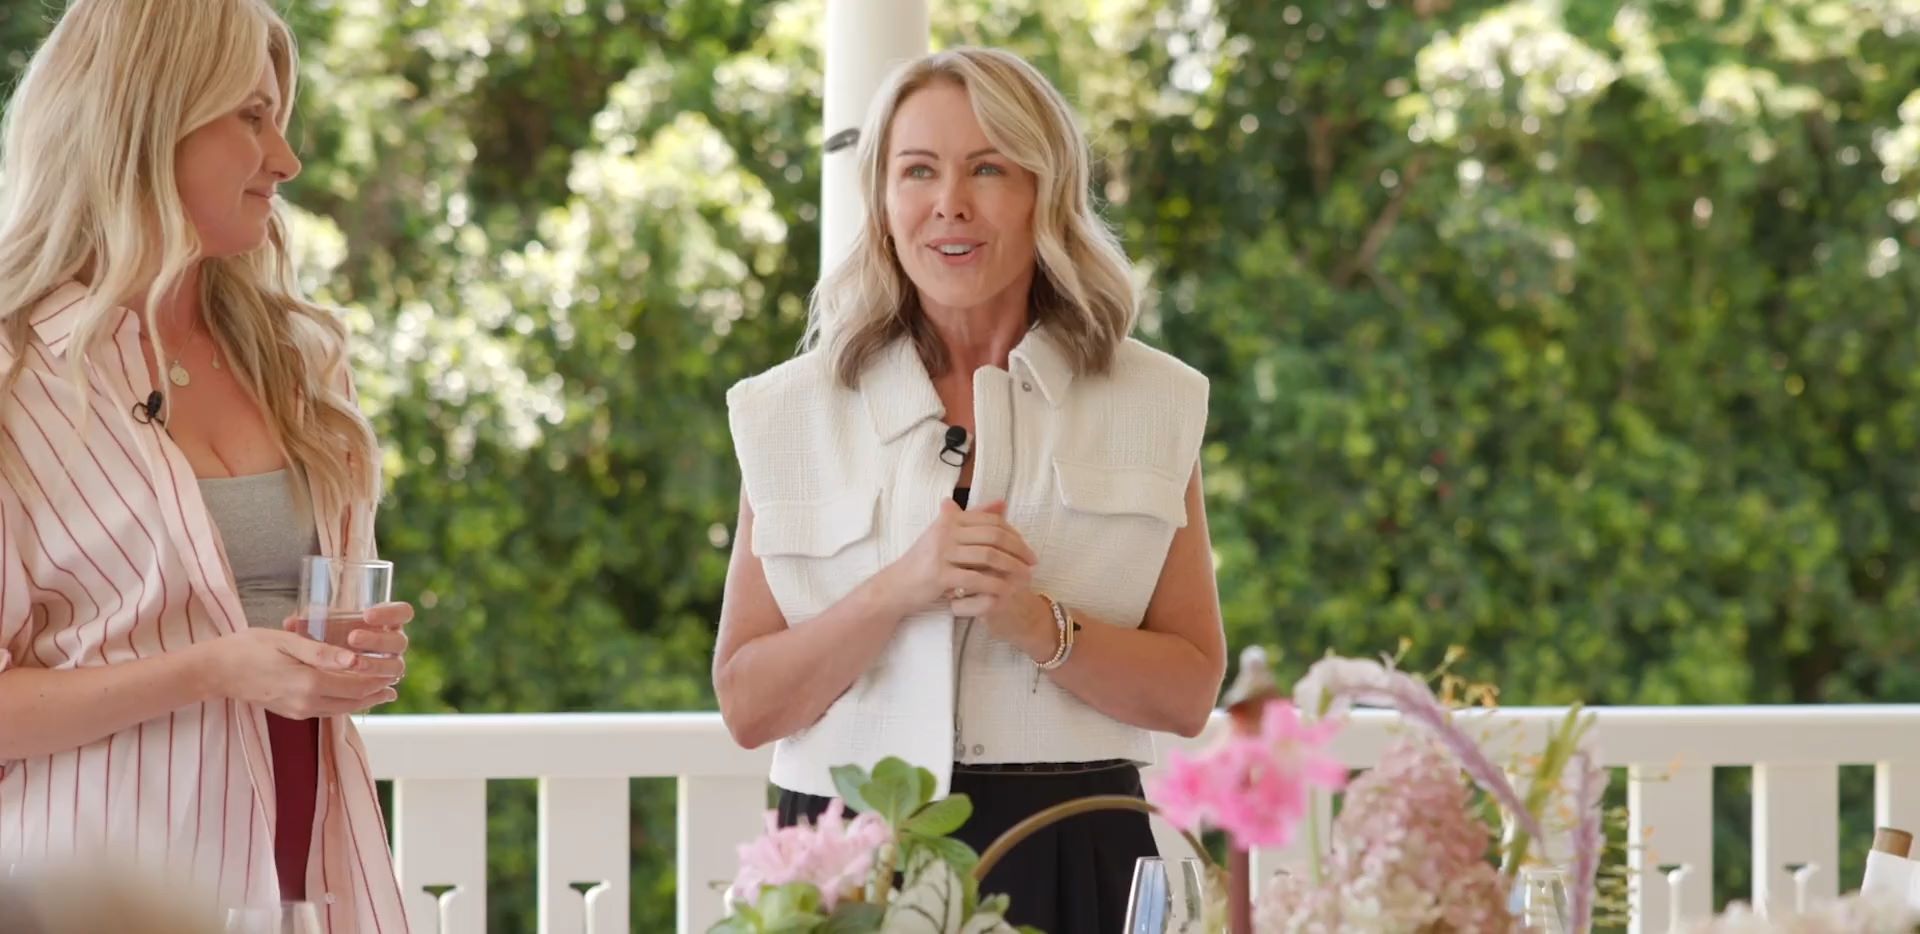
1064 622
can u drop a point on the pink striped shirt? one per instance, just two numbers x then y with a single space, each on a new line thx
109 556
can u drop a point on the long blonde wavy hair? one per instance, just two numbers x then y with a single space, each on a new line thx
1083 289
87 193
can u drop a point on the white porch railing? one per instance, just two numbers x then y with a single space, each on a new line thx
440 766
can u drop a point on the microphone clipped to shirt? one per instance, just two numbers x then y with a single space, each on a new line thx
148 412
956 443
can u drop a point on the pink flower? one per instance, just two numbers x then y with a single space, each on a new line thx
1256 788
1343 681
835 854
1408 855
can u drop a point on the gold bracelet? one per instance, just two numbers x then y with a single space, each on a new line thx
1063 621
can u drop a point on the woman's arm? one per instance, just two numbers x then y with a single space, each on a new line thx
44 711
1164 675
49 711
771 679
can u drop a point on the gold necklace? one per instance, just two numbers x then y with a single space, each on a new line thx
177 373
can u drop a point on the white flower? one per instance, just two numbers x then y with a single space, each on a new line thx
1853 914
1339 675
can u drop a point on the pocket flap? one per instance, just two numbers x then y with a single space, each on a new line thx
1119 491
814 530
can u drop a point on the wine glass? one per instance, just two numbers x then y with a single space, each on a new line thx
1150 902
1543 901
1166 903
1189 893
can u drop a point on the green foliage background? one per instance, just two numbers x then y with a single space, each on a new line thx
1582 334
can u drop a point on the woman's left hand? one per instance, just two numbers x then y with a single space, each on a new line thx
1011 610
381 643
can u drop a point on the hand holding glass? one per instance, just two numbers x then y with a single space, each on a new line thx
335 594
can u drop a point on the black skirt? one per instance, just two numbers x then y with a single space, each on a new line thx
1072 877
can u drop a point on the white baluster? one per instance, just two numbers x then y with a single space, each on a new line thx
1802 879
1796 822
1896 794
1676 877
440 839
716 815
583 839
1670 824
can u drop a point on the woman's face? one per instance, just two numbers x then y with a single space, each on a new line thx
960 212
228 172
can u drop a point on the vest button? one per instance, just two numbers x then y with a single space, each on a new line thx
959 749
978 749
1026 386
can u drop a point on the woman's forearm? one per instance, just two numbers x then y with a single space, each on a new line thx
784 681
1152 680
48 711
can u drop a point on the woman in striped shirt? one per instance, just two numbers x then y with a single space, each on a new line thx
179 430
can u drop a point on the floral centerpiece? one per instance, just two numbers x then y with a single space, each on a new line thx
892 868
1432 838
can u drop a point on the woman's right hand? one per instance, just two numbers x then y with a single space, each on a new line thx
291 675
962 552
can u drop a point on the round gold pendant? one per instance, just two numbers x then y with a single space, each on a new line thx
178 374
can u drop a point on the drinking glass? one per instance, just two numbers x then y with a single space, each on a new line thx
1543 901
335 594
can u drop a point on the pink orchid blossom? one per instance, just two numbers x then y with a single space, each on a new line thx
1256 788
835 855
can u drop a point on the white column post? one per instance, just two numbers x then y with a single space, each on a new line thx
865 40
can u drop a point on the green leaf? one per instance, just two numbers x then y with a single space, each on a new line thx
849 779
792 907
924 793
893 791
855 918
941 818
996 904
746 922
950 851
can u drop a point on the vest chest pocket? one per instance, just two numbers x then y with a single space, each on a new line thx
814 553
1109 538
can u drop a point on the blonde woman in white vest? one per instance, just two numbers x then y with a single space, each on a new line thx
179 432
971 531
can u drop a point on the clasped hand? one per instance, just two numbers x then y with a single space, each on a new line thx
978 564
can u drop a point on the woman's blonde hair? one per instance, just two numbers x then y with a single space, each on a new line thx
1083 288
87 192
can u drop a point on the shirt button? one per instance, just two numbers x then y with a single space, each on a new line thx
978 749
959 749
1026 386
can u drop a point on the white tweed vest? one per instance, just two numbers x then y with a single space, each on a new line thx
1094 471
